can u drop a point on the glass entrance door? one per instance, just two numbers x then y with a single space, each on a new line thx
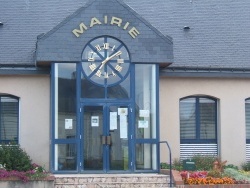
105 143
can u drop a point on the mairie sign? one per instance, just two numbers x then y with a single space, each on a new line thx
115 21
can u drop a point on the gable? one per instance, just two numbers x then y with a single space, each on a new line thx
113 18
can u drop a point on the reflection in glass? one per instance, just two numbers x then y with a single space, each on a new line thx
145 96
65 100
91 90
65 157
9 119
146 156
119 139
120 91
188 118
93 131
207 118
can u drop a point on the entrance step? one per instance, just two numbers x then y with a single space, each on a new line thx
111 181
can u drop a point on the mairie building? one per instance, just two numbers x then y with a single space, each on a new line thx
98 86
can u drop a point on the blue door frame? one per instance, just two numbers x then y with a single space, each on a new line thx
78 139
104 122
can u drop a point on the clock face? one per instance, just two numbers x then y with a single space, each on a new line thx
105 61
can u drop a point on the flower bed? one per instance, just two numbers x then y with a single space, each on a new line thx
200 179
208 171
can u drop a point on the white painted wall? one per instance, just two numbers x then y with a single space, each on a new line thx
34 130
231 95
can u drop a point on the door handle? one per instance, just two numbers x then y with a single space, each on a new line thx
103 140
106 140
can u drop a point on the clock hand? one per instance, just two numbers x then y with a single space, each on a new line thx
108 58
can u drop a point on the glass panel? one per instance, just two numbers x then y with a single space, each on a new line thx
65 100
145 96
91 90
187 118
9 117
119 138
146 157
65 157
207 118
121 91
247 109
93 131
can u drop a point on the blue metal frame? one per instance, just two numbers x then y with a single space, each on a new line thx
247 140
198 140
130 102
105 39
106 131
17 98
152 141
59 141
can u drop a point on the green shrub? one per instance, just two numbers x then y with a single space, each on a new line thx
233 173
232 166
214 174
204 162
14 158
165 166
246 166
177 165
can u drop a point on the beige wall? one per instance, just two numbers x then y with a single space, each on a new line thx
34 130
231 95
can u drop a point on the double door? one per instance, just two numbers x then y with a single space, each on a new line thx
107 138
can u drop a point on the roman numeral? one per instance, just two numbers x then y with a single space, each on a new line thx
118 68
106 46
98 73
106 75
120 60
92 67
98 47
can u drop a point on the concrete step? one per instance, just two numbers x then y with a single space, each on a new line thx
111 181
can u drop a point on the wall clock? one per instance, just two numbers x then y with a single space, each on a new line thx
105 61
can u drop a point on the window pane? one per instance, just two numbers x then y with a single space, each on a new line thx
207 118
187 118
120 91
65 156
146 157
145 96
65 100
9 119
91 90
247 109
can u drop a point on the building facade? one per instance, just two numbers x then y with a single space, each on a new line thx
94 86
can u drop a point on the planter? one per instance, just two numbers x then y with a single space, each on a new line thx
175 174
14 182
179 183
214 186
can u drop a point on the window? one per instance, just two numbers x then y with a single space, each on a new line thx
247 119
198 120
9 118
247 110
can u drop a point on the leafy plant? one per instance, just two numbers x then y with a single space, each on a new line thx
24 176
214 173
246 166
165 166
237 175
14 158
231 166
177 164
204 162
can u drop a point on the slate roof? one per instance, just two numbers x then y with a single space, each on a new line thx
61 45
218 38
